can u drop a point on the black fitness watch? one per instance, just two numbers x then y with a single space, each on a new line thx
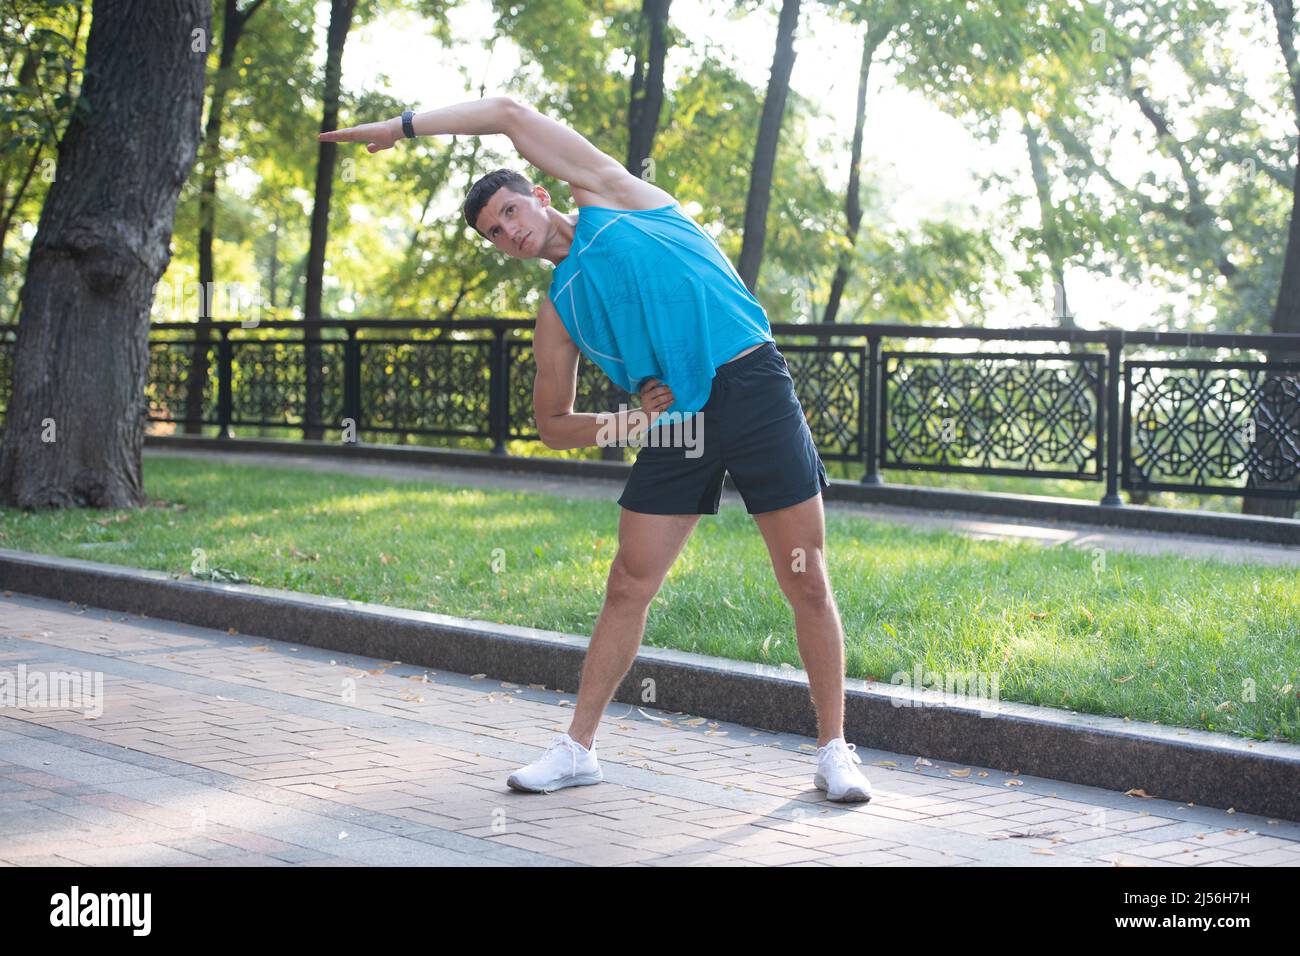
407 128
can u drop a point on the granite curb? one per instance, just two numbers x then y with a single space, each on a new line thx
1170 763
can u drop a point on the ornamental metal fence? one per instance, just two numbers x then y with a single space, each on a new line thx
1157 411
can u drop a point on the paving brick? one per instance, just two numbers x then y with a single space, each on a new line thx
258 748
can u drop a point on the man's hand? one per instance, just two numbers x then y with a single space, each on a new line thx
376 136
655 397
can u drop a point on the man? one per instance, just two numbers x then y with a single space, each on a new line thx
646 294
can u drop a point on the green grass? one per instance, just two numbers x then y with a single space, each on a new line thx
1089 491
1192 643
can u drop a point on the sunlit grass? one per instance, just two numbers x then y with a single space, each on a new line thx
1193 643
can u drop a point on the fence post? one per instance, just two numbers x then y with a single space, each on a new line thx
1114 345
352 382
498 400
869 408
225 402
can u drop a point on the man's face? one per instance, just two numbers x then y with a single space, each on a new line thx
515 224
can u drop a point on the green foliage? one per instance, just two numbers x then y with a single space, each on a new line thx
1207 219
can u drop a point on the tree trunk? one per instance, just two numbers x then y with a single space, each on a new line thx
852 202
274 265
231 30
647 97
340 22
76 421
1053 245
645 103
1276 419
1276 445
769 135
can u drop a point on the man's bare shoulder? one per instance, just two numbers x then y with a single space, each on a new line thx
626 192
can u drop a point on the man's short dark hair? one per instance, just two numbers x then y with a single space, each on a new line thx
486 188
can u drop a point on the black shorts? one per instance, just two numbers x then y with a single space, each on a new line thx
752 427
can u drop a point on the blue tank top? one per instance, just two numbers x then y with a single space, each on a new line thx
648 293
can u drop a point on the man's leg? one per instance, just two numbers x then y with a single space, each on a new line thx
794 538
647 547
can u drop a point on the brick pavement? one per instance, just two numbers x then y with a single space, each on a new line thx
222 749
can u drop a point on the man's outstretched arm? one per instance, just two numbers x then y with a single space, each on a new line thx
550 146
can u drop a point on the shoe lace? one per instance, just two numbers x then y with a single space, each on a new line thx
842 755
562 742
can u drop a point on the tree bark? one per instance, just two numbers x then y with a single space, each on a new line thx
340 22
769 135
852 201
77 417
1277 416
647 96
645 103
232 29
1053 245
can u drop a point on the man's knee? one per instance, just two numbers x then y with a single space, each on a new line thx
807 589
628 586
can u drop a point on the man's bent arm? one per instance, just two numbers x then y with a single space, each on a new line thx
583 429
561 152
552 147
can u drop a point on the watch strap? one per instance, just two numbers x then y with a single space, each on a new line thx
407 128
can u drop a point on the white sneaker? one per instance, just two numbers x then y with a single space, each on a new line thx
564 763
837 775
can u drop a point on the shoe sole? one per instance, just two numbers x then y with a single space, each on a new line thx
851 795
581 780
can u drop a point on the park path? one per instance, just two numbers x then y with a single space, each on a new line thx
213 748
1046 533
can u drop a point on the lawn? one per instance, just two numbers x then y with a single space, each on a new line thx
1044 484
1192 643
